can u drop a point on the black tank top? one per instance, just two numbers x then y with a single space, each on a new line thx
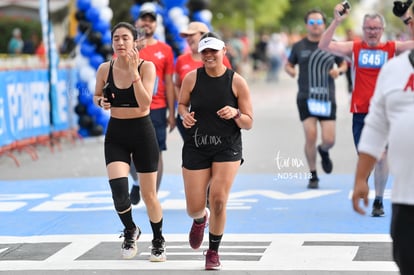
208 96
121 97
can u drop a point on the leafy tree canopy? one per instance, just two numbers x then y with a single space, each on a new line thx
270 15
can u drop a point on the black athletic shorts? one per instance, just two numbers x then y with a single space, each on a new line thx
136 137
304 111
200 152
402 228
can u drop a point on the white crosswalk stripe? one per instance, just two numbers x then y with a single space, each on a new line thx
311 252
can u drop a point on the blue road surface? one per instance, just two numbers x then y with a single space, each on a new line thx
274 225
258 204
57 214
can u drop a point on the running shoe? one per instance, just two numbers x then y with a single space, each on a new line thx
135 195
377 209
197 231
327 165
158 251
212 260
313 183
129 245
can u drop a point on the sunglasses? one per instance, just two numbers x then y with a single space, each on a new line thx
372 29
315 22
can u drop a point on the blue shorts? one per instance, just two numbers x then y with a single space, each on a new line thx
357 126
159 120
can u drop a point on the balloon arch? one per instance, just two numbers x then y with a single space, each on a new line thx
94 45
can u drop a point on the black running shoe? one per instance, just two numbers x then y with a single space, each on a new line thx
326 161
135 195
313 183
129 245
158 251
377 209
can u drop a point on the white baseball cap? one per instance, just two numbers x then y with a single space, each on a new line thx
210 43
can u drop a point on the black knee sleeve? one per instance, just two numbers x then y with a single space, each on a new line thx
120 193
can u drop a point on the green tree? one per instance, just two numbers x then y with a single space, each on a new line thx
294 17
265 14
121 10
26 26
272 15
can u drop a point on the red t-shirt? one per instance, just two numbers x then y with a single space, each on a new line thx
162 56
366 64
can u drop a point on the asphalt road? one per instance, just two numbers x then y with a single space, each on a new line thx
276 135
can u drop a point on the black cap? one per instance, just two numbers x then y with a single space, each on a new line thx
148 13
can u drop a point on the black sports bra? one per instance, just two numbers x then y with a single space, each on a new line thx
120 97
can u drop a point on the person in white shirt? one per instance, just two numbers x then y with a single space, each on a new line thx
389 122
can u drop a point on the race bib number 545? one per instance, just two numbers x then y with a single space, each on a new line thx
372 58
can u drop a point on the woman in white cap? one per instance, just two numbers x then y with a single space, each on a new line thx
190 60
215 105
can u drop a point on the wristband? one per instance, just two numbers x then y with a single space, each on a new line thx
136 80
99 102
238 115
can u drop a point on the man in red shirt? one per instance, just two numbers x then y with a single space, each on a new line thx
368 56
162 106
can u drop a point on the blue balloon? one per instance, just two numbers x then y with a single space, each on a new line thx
100 26
176 33
197 17
102 120
106 37
168 22
83 5
92 14
186 11
174 3
85 98
87 49
95 60
80 85
168 4
161 10
78 38
93 110
83 132
134 11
